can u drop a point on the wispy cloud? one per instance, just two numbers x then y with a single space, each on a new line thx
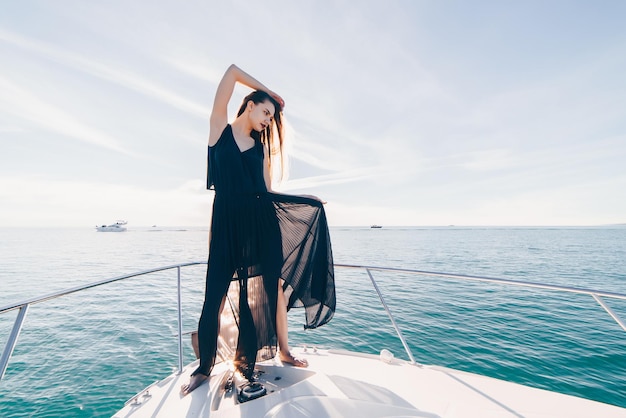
136 82
195 67
23 104
346 176
11 129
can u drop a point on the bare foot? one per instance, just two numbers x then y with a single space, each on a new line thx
194 382
288 358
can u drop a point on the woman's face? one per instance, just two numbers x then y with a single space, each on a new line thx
261 115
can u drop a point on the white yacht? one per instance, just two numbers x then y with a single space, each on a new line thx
118 226
340 383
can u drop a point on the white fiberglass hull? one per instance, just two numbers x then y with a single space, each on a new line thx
346 384
110 229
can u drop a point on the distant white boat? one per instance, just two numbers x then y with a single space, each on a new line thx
118 226
376 226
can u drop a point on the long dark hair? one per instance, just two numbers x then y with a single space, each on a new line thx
266 136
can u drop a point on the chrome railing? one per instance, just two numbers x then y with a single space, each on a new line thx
596 294
24 305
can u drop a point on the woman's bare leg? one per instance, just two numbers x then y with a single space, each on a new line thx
282 331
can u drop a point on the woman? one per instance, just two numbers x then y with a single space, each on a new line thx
273 248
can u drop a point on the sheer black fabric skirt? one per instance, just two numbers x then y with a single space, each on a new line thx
257 239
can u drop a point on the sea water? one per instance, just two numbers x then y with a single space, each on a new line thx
85 354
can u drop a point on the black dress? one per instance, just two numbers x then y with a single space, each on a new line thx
256 238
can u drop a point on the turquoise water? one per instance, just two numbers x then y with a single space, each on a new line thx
83 355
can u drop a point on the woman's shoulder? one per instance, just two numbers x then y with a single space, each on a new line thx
217 133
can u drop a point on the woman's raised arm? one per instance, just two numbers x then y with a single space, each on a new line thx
219 113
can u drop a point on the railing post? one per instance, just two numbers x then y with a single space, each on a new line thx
180 326
393 321
15 332
609 311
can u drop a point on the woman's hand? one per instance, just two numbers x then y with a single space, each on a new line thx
276 97
314 198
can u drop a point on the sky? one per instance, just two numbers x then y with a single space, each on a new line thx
425 113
